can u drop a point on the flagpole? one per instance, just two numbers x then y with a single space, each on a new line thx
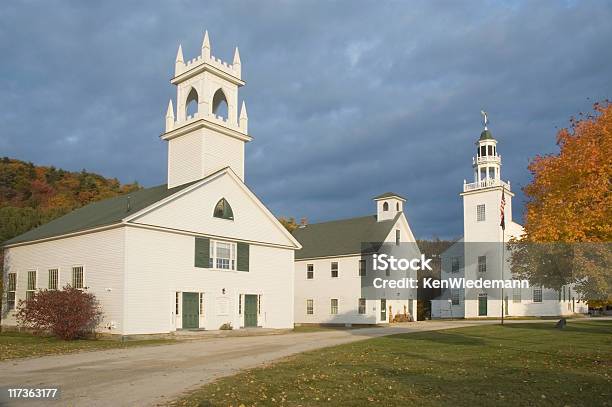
503 228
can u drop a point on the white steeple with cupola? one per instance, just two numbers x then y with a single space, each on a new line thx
482 197
206 133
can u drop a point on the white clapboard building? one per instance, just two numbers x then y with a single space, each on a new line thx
197 253
336 258
478 254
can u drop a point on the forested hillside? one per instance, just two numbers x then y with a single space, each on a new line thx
31 195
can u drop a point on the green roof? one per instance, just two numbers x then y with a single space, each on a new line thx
102 213
389 195
486 135
341 237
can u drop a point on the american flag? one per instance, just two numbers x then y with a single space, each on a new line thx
502 205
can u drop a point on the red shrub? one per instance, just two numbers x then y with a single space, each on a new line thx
68 313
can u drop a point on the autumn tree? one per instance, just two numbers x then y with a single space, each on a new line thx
289 223
568 220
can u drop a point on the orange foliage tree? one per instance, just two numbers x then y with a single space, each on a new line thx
569 209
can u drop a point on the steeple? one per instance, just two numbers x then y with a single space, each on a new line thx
487 162
207 132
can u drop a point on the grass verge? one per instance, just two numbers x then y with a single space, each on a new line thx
19 345
514 365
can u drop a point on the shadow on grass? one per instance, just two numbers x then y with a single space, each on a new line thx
591 327
445 338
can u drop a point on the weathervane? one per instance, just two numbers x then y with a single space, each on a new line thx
485 118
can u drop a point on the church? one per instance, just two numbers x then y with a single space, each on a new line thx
480 252
199 252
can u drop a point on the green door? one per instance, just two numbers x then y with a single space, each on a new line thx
250 311
191 313
383 309
482 305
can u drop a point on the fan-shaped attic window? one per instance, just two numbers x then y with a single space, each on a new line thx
223 210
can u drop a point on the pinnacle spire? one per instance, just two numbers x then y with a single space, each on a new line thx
179 54
206 45
236 57
170 111
243 111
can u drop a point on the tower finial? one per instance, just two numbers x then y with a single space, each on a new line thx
236 57
244 118
485 119
179 54
206 45
170 116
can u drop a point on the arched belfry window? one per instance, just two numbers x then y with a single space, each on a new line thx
219 104
191 104
386 206
223 210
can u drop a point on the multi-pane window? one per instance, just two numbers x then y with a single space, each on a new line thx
201 303
398 237
31 287
480 213
240 304
77 277
225 255
516 294
362 268
53 279
362 306
309 307
334 269
176 302
310 271
482 264
537 294
455 296
334 306
455 265
11 289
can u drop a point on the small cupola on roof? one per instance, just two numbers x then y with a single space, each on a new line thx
388 205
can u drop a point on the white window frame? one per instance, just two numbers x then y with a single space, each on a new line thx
482 267
455 296
336 269
232 263
72 282
361 306
362 271
455 260
309 306
57 280
537 290
516 295
30 290
309 272
334 308
11 295
481 213
202 304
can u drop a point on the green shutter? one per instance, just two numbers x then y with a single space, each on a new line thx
202 252
243 256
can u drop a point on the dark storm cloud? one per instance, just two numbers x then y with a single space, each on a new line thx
346 99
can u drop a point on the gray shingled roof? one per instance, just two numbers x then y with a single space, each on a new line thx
389 195
341 237
97 214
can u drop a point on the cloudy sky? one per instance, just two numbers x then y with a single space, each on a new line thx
346 99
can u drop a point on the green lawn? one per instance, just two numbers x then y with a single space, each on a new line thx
514 365
20 345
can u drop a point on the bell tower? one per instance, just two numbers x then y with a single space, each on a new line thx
206 133
481 198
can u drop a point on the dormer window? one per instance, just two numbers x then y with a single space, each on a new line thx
223 210
386 206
